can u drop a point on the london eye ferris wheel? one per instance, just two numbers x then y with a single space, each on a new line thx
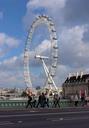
50 71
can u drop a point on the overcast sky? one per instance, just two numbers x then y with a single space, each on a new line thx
71 19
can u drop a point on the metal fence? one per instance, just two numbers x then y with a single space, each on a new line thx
22 103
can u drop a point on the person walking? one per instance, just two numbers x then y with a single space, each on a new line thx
56 101
76 99
39 101
47 100
43 101
29 102
29 99
83 97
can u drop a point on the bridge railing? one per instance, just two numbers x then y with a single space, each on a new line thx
22 103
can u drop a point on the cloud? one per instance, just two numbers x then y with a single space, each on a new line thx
10 61
11 79
64 13
7 43
76 12
38 7
74 51
43 47
47 4
12 64
7 40
11 72
61 73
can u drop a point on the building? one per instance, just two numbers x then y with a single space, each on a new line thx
7 93
75 84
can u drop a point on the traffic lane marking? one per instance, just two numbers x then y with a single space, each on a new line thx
67 119
6 123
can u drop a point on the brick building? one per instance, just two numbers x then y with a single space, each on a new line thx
75 84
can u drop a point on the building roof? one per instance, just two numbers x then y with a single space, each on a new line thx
78 78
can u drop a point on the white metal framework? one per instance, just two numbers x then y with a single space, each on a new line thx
54 52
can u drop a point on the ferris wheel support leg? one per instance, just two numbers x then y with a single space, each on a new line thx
48 75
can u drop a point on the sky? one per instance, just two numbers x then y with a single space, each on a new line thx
71 19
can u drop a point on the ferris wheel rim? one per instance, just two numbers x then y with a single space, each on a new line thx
53 39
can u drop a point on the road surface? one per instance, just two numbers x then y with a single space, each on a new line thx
45 118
